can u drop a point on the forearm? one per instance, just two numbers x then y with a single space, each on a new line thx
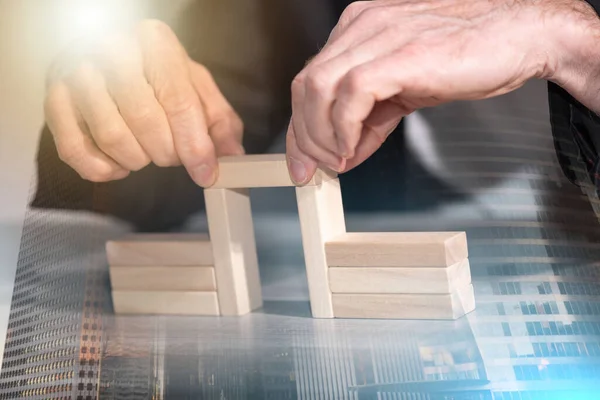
573 49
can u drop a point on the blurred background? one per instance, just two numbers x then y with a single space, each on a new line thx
487 167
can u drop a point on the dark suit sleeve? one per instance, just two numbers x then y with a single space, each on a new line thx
576 132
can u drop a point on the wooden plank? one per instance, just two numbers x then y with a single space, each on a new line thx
260 170
165 303
405 306
399 280
160 250
234 249
163 278
321 218
397 249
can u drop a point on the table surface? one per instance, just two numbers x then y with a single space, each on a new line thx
535 332
534 247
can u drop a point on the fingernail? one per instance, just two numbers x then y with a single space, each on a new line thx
344 151
203 175
297 170
333 167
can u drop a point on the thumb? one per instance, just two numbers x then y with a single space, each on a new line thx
300 166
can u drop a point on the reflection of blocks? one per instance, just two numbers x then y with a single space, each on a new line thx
350 275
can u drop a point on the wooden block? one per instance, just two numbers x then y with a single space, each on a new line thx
397 249
405 306
260 170
179 249
399 280
163 278
321 218
165 303
234 249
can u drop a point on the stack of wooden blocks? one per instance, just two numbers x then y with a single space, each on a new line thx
416 275
413 275
163 274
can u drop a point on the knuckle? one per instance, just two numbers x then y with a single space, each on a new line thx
353 10
177 103
51 102
166 160
201 71
111 48
153 27
111 138
82 74
318 80
237 125
355 81
196 149
415 50
141 116
298 83
100 173
68 154
49 106
230 120
140 162
370 13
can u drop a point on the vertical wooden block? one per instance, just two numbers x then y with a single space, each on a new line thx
321 215
234 250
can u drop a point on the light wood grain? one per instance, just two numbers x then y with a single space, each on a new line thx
234 249
399 280
165 303
163 278
260 170
397 249
405 306
160 250
321 218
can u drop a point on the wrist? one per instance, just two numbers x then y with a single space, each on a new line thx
571 43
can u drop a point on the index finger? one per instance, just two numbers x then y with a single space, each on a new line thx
167 70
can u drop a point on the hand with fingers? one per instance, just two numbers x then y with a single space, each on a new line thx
137 99
388 58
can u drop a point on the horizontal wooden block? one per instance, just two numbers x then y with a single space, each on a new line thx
178 249
163 278
260 170
165 303
397 249
405 306
399 280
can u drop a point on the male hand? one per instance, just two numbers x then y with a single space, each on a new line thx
387 58
137 99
